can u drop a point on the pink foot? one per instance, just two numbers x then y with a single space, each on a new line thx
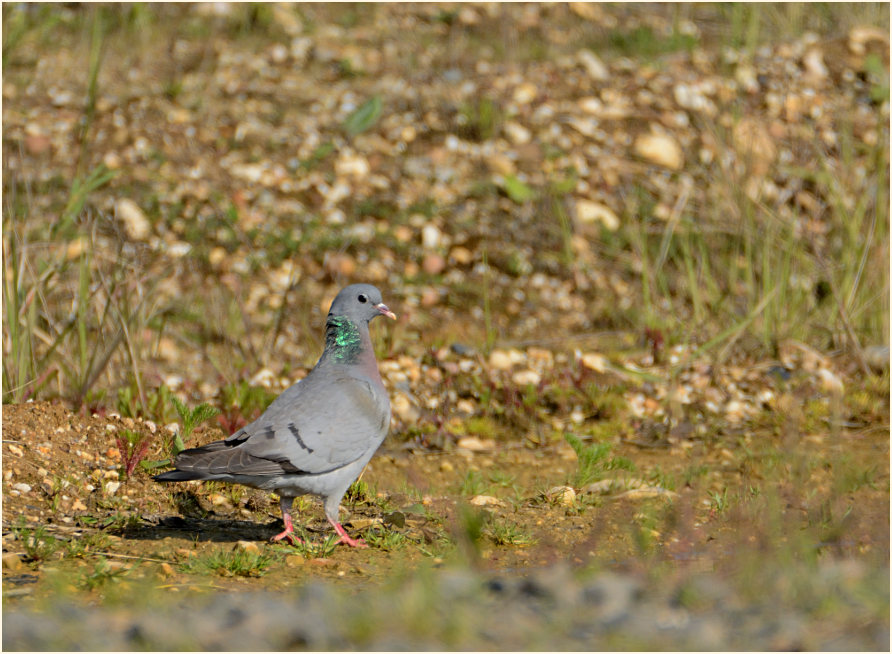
289 531
345 537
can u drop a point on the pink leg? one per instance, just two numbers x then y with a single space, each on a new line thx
345 538
289 527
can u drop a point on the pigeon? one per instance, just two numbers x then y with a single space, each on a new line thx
319 434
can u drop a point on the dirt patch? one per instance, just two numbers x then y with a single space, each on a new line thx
126 559
503 508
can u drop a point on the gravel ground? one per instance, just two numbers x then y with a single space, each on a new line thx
455 609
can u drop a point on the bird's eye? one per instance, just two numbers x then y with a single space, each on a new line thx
362 298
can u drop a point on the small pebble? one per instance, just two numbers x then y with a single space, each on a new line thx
13 563
246 546
433 264
136 225
486 500
660 149
526 377
563 495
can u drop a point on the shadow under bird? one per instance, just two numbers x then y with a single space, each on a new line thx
319 434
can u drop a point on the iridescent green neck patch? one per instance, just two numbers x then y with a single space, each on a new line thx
342 339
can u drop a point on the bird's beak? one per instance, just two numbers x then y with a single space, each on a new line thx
385 311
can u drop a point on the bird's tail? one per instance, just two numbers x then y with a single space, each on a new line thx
181 475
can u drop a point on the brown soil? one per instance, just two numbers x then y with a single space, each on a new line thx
71 465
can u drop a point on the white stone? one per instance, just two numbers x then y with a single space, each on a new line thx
352 165
813 62
179 249
430 237
524 377
505 359
525 93
134 220
517 133
660 149
465 406
403 408
263 377
595 68
588 212
830 381
251 173
594 361
563 495
591 105
486 500
475 444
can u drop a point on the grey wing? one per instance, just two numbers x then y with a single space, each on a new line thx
318 427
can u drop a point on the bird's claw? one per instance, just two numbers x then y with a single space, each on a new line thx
287 535
289 529
345 537
357 542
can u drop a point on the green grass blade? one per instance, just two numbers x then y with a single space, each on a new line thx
364 117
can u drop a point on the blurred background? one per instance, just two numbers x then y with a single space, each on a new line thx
191 184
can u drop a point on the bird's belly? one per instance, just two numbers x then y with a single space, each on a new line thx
324 484
293 485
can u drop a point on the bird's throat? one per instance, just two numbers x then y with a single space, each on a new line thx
342 339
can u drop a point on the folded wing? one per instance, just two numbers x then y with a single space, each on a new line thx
316 426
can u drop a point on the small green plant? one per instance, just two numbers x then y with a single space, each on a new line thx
470 529
318 155
21 316
385 539
591 460
102 573
88 543
364 117
509 533
38 545
487 312
502 478
644 530
473 484
358 492
80 191
241 403
850 475
694 472
718 501
190 419
662 478
237 563
480 121
643 42
310 549
116 522
620 463
128 402
566 232
878 77
517 190
159 403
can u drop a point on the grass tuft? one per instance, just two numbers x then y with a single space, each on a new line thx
237 563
